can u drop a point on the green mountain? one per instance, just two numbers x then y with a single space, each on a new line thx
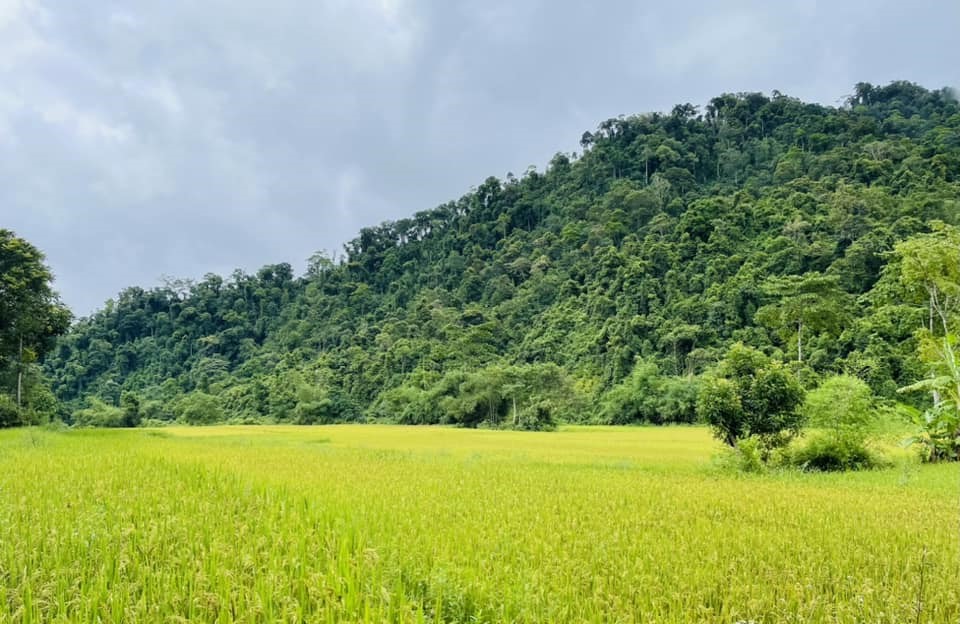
597 290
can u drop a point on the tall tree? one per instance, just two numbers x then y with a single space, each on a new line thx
805 302
31 314
930 264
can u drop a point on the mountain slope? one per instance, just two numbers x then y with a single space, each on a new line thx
759 219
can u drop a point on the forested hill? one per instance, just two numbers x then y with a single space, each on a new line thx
595 290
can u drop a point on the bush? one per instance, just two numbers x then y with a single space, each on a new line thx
248 418
9 412
750 455
156 411
678 399
635 399
132 414
746 456
199 408
407 405
99 414
842 405
530 397
537 417
828 453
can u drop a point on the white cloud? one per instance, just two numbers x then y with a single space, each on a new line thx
727 43
85 125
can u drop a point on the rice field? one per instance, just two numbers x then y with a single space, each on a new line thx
405 524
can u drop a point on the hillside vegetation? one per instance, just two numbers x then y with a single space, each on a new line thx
598 290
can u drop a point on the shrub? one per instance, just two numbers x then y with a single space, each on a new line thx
538 416
635 399
99 414
678 399
750 455
9 413
199 408
827 453
843 405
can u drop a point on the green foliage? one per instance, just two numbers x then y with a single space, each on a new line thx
9 412
751 395
198 408
844 409
531 397
31 317
939 425
645 396
635 399
830 453
99 414
132 415
929 267
843 405
670 237
749 455
719 405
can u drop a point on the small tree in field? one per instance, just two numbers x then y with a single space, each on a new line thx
748 394
843 408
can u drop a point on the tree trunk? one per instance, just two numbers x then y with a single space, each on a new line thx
20 375
800 341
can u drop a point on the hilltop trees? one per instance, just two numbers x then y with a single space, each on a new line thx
31 316
672 236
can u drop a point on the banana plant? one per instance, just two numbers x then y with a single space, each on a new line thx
939 426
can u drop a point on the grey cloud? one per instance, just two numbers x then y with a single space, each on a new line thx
140 139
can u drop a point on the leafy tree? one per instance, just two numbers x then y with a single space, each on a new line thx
130 403
930 263
939 425
31 315
809 302
199 408
842 405
99 414
751 395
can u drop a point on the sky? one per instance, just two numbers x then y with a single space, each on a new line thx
142 139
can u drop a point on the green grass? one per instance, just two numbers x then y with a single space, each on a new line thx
403 524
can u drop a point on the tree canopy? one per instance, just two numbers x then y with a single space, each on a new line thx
670 237
31 317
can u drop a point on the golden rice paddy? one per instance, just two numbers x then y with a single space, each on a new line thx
406 524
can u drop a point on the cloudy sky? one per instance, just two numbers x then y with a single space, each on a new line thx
145 138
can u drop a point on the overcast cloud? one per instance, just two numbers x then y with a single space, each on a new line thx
175 137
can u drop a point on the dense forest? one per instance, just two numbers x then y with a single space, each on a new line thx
599 290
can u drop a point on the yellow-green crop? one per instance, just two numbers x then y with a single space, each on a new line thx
393 524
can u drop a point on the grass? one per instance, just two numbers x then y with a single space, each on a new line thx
404 524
